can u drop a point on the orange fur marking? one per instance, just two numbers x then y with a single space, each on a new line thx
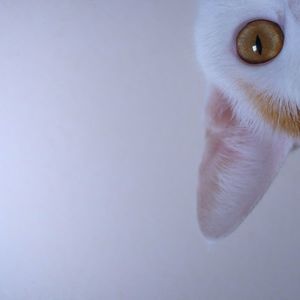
284 116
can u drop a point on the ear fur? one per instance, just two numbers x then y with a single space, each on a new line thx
237 168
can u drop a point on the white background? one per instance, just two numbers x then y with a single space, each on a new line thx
101 135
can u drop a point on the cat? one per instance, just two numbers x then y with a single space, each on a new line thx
248 51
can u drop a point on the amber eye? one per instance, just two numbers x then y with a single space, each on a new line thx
259 41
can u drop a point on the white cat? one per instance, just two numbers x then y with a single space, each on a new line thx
249 51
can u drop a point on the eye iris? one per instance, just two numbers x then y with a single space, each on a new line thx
259 41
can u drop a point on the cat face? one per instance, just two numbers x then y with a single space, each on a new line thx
276 83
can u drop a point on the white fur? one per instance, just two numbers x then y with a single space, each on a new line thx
263 151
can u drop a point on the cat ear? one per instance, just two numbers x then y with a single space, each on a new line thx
237 168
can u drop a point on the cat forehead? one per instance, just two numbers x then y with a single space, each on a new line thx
251 7
250 3
266 7
294 6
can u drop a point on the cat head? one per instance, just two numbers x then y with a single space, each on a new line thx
249 53
277 80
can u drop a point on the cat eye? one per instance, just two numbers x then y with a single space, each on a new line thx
259 41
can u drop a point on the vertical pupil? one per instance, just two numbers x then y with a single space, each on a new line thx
258 46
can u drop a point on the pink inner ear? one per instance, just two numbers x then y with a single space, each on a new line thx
237 168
